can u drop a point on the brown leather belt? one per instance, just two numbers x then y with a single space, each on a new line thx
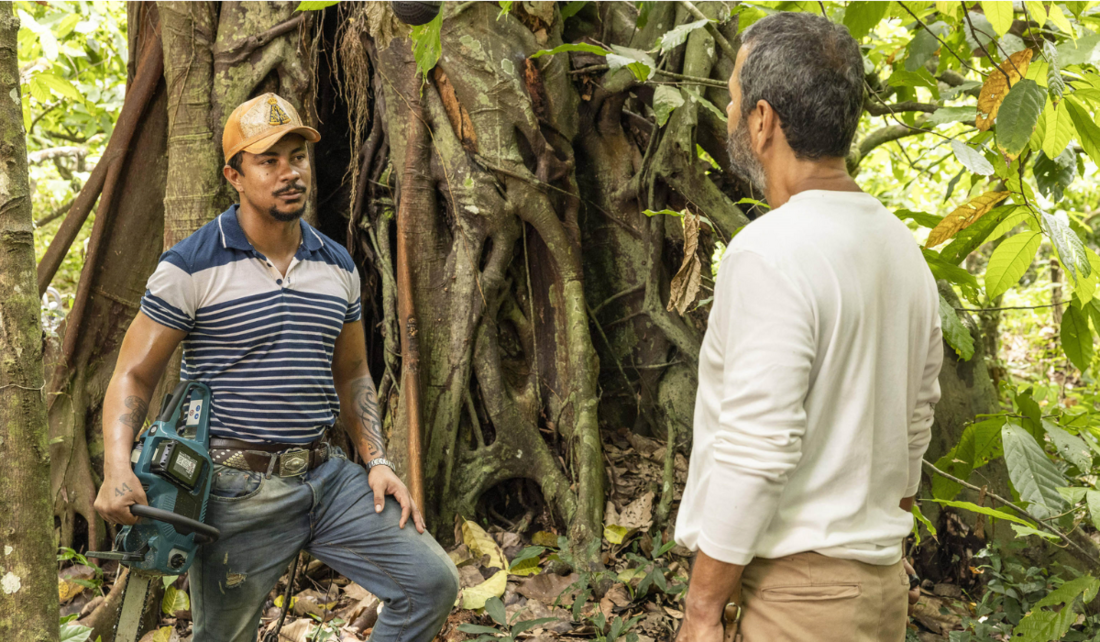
283 460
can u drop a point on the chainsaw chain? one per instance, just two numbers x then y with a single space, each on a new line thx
122 603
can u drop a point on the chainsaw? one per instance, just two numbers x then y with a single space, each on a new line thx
172 462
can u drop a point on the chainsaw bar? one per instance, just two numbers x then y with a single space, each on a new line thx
135 602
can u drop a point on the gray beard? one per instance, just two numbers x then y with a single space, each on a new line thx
742 161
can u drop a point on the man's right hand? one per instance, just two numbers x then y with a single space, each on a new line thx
120 490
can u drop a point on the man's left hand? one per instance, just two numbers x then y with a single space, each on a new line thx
693 629
383 481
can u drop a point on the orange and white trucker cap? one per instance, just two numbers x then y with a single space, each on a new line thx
256 125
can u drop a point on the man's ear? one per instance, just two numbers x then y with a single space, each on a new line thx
762 126
233 176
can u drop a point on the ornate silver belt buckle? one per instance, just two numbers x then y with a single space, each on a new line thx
293 462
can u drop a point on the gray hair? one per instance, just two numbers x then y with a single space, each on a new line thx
811 72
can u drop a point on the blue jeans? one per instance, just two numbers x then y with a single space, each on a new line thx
328 512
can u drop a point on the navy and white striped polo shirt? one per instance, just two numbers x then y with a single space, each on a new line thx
261 341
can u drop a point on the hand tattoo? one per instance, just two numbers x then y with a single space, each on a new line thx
136 418
366 410
119 491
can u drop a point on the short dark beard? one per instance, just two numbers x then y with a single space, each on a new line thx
286 217
742 161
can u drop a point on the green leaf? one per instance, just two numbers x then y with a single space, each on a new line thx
1009 262
1072 494
1085 51
1026 531
1058 127
861 17
1084 587
1018 114
1070 248
1076 338
1043 626
1072 447
1032 473
466 627
174 600
638 62
923 520
571 9
495 608
956 334
1092 499
922 218
531 552
73 632
316 5
1054 175
983 231
999 15
1016 215
971 158
945 115
1087 131
580 46
923 46
675 37
527 625
666 98
698 98
39 90
941 269
988 512
426 45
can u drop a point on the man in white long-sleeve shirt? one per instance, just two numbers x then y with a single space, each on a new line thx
818 373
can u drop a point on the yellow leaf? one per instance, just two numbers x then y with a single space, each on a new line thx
67 590
279 601
629 574
615 534
480 544
544 538
1059 19
529 566
963 217
1036 11
948 9
163 634
997 85
475 597
174 600
999 14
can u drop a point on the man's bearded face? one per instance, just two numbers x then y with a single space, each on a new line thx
742 160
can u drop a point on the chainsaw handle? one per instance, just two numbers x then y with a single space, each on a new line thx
204 533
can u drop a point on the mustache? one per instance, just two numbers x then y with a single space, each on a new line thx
297 187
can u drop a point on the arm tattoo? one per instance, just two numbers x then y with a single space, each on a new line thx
136 417
370 419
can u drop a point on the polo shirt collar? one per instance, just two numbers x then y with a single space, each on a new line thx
233 236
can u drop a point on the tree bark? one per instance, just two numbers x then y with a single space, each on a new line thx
28 585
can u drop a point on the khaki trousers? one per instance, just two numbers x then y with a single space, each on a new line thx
808 597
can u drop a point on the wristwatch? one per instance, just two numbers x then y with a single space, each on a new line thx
380 461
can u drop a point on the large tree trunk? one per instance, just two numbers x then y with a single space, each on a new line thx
28 585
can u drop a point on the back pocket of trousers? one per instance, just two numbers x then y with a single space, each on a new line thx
810 593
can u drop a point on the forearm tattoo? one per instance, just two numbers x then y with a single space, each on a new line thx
370 419
136 417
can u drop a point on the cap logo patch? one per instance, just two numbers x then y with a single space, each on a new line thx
275 114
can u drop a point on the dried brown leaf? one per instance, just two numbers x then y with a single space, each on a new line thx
963 217
685 285
997 85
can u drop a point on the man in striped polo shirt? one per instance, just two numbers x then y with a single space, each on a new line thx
267 309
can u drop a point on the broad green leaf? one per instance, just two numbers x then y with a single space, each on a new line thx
989 512
945 115
666 98
1018 114
971 158
580 46
977 234
1085 51
921 519
676 36
494 608
1087 130
923 46
1044 626
73 632
174 600
1059 19
466 627
426 45
1084 587
1092 499
1073 494
1032 473
956 334
39 90
1027 531
963 217
1015 217
60 85
316 5
941 269
571 9
1054 175
996 87
638 62
1072 447
1059 129
999 15
1036 11
922 218
1009 262
699 98
1076 338
1070 248
861 17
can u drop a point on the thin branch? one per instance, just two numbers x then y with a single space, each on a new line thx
1002 500
1009 307
976 31
695 80
937 37
43 155
65 207
877 110
730 50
